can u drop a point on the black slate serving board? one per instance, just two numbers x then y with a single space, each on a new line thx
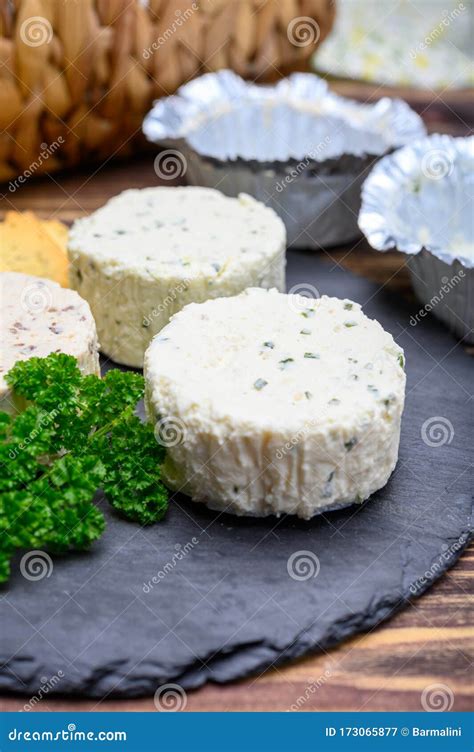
223 603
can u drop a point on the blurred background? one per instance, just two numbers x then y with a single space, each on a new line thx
85 72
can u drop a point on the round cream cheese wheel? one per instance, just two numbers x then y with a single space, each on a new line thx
271 403
38 317
147 253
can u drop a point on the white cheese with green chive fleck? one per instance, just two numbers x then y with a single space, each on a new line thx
147 253
270 417
38 317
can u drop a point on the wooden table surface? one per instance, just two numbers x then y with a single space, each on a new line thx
428 643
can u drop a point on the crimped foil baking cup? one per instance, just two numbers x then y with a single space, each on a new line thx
447 290
296 146
420 200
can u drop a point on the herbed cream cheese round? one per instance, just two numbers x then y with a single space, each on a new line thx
271 403
38 317
147 253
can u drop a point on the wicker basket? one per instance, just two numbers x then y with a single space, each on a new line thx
77 76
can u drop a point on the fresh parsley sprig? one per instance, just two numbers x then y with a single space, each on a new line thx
77 434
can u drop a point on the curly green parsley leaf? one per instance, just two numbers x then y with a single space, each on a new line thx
76 435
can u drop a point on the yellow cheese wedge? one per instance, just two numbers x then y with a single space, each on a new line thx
34 246
58 231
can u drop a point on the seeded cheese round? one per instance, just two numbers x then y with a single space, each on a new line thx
38 317
272 403
147 253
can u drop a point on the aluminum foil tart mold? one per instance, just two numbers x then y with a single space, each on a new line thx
224 117
420 200
319 211
446 290
301 149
